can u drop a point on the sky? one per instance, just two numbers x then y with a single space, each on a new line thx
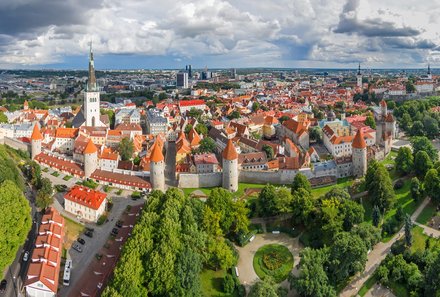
135 34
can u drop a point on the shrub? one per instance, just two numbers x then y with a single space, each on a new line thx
277 269
228 284
398 184
101 220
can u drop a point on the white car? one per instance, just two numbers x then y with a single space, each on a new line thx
26 256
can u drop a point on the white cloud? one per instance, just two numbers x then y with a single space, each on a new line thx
283 33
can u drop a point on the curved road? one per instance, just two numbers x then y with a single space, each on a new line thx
247 275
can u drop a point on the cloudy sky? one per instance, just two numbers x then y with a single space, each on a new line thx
219 33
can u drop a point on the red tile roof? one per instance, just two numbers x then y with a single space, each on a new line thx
86 197
122 179
359 141
36 134
191 102
230 153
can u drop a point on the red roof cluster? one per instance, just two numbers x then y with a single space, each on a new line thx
191 102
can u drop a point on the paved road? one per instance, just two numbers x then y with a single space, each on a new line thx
170 165
246 271
80 261
376 256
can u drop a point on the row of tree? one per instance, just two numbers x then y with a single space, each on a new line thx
173 240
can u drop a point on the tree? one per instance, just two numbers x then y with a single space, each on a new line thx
381 189
352 214
316 134
422 163
416 191
432 277
408 227
431 126
406 121
369 121
255 106
126 149
376 216
369 234
220 202
432 184
188 128
201 129
228 284
263 288
44 195
421 143
302 206
301 182
266 201
15 221
207 145
268 150
312 280
234 115
371 172
3 117
347 256
283 118
417 129
404 160
240 222
410 88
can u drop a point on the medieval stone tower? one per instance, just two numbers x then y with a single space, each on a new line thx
90 159
230 167
359 154
157 167
36 139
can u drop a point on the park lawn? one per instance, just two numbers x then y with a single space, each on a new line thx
72 231
419 240
211 283
390 160
341 183
367 285
404 199
427 213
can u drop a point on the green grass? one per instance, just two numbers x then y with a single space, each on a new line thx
67 177
278 274
212 282
55 173
419 240
390 160
427 213
367 285
341 183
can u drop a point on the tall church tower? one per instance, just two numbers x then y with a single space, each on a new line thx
359 77
91 97
429 72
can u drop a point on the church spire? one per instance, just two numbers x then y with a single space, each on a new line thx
359 69
91 83
429 69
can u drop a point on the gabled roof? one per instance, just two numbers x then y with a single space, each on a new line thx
86 197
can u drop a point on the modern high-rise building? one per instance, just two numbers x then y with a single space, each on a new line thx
182 80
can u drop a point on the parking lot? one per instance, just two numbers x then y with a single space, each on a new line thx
93 245
92 278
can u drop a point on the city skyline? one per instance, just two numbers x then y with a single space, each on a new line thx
220 34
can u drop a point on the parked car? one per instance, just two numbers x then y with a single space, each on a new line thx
115 231
88 233
77 247
119 224
80 240
3 285
26 256
90 229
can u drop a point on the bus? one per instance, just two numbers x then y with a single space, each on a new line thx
67 268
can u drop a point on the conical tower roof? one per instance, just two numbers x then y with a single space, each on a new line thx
156 152
90 148
36 134
230 153
92 86
359 141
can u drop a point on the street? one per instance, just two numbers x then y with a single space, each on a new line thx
80 261
16 273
